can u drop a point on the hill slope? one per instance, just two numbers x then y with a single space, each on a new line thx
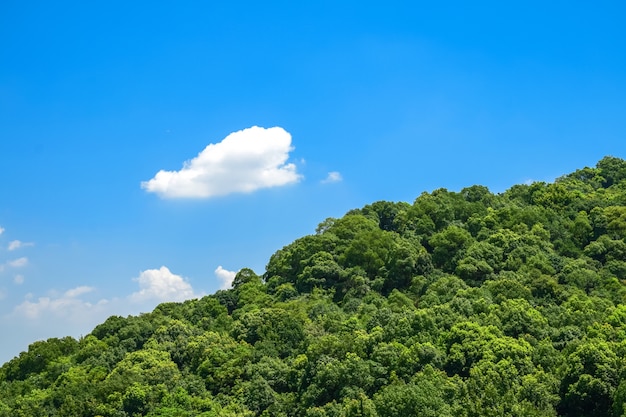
460 304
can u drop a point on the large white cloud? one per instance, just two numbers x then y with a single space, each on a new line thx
225 276
162 285
243 162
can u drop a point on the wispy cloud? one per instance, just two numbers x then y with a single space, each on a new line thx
18 263
18 279
16 244
332 176
245 161
66 305
1 230
225 276
75 292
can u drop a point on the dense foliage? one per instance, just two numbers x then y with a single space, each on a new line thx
461 304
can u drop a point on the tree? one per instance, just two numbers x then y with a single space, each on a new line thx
612 169
448 246
430 394
590 381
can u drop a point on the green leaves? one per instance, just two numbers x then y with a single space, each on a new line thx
590 381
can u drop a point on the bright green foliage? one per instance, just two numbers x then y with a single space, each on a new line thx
461 304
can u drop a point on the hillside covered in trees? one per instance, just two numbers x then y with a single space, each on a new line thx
461 304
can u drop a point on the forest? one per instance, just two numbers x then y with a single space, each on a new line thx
463 303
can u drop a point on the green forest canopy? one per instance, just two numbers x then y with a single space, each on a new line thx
461 304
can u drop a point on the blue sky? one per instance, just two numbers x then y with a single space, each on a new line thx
392 98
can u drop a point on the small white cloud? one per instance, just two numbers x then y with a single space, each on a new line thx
333 176
243 162
75 292
16 244
1 230
225 276
18 279
18 263
162 285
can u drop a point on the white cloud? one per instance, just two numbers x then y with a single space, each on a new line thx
18 263
18 279
333 176
1 230
75 292
68 305
243 162
16 244
56 315
156 285
161 285
225 276
77 311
